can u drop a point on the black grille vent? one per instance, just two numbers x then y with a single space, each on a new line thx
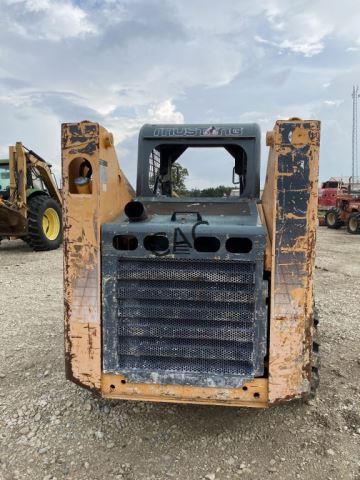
181 317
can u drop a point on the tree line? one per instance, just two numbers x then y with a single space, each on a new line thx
180 173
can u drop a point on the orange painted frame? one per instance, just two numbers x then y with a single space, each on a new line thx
290 321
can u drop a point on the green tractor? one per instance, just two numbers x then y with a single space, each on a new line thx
30 201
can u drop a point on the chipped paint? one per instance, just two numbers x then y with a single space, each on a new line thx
83 215
252 394
290 204
289 212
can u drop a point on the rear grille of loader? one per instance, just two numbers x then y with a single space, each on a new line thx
186 316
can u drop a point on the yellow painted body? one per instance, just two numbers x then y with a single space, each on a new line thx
291 296
291 293
83 215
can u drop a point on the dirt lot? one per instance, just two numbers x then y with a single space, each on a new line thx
52 429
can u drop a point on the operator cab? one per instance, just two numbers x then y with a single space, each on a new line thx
165 164
161 148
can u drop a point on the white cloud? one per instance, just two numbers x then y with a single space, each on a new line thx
333 103
301 32
295 45
308 49
46 19
303 27
165 112
125 128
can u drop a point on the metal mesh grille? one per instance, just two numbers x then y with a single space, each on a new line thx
186 316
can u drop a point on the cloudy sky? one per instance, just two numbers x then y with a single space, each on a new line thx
126 62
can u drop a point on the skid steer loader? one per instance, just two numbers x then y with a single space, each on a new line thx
191 300
30 201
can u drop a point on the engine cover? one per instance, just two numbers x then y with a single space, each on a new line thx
183 295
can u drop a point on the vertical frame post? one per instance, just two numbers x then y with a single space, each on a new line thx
290 208
87 148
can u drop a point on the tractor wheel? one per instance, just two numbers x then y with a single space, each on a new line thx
353 225
315 360
44 223
333 219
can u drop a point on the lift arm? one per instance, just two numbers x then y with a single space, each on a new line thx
46 174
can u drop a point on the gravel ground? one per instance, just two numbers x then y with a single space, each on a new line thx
52 429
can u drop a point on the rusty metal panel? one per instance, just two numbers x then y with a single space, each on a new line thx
290 207
253 394
83 214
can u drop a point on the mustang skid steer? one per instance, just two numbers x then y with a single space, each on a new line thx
206 300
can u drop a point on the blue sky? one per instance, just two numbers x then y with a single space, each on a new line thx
126 62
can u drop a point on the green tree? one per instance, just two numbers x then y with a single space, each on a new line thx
219 191
179 175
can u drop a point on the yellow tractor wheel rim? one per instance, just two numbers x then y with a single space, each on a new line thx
51 224
353 224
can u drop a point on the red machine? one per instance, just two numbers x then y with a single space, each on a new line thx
327 196
346 210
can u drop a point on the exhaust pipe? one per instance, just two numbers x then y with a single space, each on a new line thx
135 211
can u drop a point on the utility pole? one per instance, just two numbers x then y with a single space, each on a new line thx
355 170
